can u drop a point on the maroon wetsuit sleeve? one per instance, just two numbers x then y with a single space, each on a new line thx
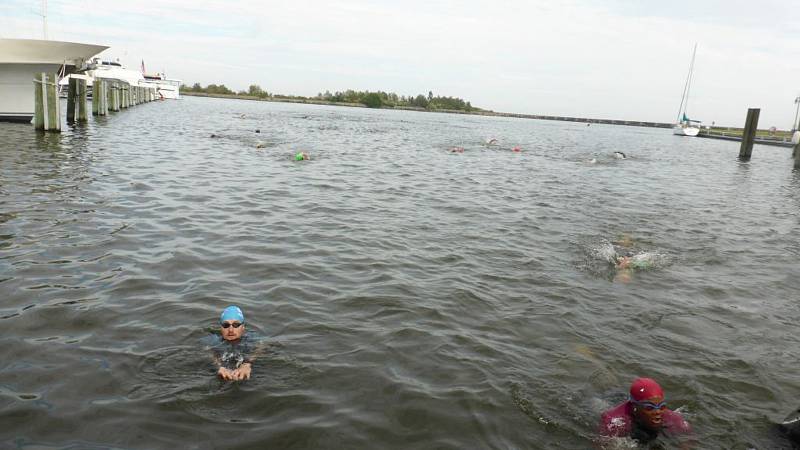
676 424
616 422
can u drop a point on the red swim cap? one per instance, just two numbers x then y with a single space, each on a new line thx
644 388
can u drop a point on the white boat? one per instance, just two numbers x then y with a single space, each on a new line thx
113 70
166 87
683 125
21 59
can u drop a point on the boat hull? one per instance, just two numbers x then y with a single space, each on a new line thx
21 59
681 130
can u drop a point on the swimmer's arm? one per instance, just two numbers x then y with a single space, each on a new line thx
222 372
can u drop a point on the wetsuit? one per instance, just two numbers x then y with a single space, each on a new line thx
619 422
232 354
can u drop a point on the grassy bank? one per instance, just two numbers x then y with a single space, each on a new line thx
717 131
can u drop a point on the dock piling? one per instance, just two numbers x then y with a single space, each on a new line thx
47 114
72 94
80 100
749 133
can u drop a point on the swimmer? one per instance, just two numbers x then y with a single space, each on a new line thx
620 155
233 354
643 416
790 427
640 261
593 161
491 141
302 156
456 149
516 149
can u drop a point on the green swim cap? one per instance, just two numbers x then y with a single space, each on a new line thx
299 157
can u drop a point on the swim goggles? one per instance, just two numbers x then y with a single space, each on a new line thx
650 406
234 324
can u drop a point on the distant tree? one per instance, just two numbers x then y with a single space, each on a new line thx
255 90
430 95
372 100
420 101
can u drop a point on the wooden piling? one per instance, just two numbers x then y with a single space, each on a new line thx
749 133
47 109
80 100
72 94
103 106
796 151
114 94
97 85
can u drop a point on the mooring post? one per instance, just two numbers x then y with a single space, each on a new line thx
103 109
112 96
72 94
749 133
80 110
47 109
796 151
97 87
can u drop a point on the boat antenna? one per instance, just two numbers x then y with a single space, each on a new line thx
44 18
685 95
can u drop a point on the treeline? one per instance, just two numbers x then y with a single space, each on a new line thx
377 99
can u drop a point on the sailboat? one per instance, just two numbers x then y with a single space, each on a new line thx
683 125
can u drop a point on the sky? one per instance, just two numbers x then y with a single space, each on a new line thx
612 59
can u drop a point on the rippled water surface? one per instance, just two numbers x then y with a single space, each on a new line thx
409 297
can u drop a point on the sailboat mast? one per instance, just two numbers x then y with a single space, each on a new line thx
685 95
691 76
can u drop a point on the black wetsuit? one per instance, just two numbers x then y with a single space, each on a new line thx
231 354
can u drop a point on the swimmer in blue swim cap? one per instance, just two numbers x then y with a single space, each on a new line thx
232 354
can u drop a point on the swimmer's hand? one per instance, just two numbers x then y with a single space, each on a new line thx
242 373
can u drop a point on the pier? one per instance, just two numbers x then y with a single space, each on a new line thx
47 114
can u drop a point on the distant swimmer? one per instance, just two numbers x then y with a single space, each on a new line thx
516 149
790 427
261 144
593 161
491 141
302 156
233 354
643 416
456 149
640 261
620 155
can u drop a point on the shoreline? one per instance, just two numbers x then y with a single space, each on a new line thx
635 123
726 133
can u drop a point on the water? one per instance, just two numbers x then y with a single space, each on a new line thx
410 297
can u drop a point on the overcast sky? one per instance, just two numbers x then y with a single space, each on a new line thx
620 59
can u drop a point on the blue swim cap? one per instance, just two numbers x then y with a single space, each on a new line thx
232 313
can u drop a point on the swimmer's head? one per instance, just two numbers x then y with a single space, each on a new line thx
231 323
647 399
232 313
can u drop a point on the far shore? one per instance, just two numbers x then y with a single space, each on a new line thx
728 131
